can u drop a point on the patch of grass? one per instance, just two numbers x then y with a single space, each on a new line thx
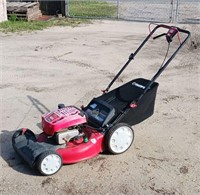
92 8
18 26
22 25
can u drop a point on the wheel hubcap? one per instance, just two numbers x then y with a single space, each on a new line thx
51 164
121 139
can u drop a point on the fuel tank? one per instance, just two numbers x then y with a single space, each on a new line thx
61 119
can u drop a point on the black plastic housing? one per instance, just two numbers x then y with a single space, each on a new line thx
99 113
131 92
29 148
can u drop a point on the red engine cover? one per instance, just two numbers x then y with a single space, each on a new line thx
61 119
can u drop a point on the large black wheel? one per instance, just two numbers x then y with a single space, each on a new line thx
49 163
119 138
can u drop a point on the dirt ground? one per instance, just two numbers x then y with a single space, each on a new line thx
71 65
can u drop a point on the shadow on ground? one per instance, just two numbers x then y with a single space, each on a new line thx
7 152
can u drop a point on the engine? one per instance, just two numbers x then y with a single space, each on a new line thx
68 134
64 123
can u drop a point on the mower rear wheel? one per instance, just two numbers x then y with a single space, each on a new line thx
49 163
119 138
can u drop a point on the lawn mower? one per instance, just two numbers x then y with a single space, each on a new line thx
72 134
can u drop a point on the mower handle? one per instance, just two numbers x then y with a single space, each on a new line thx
169 27
169 39
173 30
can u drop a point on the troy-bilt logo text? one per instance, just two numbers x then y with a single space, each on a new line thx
138 85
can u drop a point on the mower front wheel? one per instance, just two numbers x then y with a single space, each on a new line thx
119 138
49 163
